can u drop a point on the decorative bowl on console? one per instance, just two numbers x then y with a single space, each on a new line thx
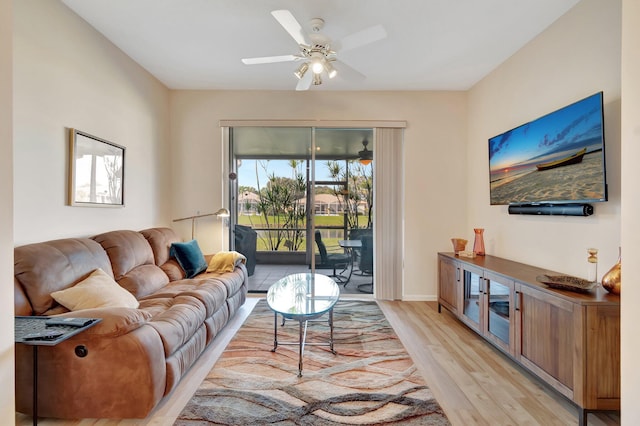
567 282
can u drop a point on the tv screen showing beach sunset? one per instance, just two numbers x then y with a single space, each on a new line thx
557 158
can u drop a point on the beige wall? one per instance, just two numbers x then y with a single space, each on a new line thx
576 57
7 401
630 208
68 75
434 157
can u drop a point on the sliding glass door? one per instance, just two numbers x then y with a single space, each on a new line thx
289 182
270 192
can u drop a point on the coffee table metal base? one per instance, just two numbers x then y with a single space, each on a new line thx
302 337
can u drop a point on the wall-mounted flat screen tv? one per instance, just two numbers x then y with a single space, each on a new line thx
557 158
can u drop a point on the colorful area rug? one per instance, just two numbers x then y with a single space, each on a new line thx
370 381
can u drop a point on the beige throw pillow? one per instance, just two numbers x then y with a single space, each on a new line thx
98 290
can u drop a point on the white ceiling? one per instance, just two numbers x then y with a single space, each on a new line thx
431 44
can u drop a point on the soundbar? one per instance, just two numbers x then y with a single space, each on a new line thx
570 209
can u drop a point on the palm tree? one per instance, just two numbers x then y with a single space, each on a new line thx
281 208
359 180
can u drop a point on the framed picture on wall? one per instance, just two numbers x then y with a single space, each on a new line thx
96 171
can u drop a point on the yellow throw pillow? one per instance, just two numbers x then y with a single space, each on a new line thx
98 290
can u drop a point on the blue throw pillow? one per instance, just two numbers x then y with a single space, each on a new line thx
190 257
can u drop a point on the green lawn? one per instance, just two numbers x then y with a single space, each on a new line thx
321 221
259 222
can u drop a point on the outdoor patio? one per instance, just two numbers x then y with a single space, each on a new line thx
265 275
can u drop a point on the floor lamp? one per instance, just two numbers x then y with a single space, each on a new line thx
220 213
224 214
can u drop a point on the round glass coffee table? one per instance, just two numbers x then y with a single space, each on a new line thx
302 297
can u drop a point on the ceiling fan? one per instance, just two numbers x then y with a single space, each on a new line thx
318 53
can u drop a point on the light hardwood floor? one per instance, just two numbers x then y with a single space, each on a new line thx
474 383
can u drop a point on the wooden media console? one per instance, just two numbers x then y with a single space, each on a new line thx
569 340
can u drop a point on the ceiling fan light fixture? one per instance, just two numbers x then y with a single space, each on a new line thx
317 67
331 71
365 156
302 70
314 49
317 62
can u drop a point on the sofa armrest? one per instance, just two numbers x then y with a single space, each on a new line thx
21 304
99 381
115 321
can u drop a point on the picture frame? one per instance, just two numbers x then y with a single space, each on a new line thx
96 171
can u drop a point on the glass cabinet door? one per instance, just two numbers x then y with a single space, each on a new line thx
499 320
499 309
472 296
487 306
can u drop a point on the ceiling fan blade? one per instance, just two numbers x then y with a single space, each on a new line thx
361 38
347 72
305 82
291 25
270 59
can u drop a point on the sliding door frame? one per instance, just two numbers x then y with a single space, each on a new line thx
388 195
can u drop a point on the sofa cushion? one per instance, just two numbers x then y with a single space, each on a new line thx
144 280
173 270
233 281
98 290
49 266
160 240
176 319
212 293
132 261
190 257
126 249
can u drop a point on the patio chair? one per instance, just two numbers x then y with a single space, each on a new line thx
332 261
366 255
366 263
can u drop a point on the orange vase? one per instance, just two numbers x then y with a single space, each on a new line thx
478 243
611 280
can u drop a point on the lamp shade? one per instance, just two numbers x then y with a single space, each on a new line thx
222 213
302 70
331 71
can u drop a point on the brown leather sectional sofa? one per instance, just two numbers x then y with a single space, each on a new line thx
134 357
